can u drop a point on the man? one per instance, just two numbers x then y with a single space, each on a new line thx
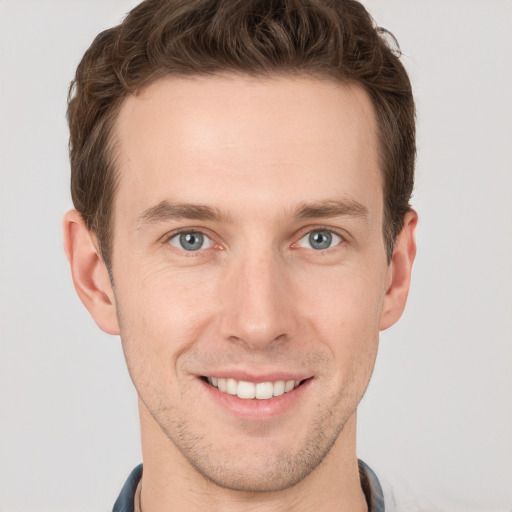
241 172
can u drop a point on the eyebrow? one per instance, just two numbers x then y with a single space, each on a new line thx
331 208
168 210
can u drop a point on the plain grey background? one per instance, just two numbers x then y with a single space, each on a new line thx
437 419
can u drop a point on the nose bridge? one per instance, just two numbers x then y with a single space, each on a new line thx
257 312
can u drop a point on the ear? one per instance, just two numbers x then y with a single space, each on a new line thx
398 277
90 275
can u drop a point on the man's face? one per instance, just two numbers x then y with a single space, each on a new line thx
248 249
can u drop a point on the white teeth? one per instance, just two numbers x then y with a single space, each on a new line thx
264 390
221 384
278 388
250 390
246 390
231 386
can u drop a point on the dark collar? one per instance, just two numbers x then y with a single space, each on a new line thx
371 488
126 498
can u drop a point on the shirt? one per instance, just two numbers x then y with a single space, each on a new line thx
369 483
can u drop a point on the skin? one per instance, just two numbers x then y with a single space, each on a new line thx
258 298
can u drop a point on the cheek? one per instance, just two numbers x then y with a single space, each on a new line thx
158 324
344 297
162 312
345 313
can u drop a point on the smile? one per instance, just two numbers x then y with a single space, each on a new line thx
252 390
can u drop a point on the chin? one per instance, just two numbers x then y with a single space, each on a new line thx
263 469
273 476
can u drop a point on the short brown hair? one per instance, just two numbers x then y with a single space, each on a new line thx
334 39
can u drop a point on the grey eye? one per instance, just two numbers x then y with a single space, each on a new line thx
190 241
319 240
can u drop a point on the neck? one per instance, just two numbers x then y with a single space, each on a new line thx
169 481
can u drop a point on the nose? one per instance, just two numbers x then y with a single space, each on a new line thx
258 302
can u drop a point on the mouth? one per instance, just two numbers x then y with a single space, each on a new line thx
253 390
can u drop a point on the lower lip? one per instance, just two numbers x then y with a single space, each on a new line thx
254 409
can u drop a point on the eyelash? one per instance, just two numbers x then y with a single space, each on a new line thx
305 232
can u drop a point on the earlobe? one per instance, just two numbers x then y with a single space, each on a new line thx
399 272
90 276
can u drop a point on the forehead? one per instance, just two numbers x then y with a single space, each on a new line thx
281 138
